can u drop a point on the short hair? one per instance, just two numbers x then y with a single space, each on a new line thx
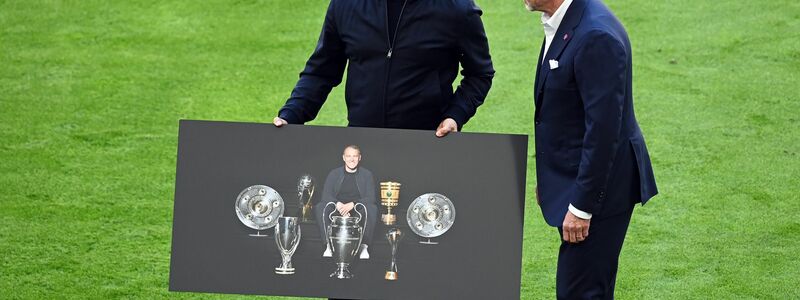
354 147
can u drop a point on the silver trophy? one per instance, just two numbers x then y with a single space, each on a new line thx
259 207
394 236
305 186
287 236
344 237
431 215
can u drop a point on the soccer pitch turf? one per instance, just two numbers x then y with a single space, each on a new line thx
91 93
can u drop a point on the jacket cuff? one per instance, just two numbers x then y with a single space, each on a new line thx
587 200
579 213
289 116
457 114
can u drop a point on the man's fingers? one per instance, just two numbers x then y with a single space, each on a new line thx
586 231
279 122
445 127
441 132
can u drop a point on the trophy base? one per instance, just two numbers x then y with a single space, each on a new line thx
389 219
305 215
259 234
390 276
284 271
342 272
429 242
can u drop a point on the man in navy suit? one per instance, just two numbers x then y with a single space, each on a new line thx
592 165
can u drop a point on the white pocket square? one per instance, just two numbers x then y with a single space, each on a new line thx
553 64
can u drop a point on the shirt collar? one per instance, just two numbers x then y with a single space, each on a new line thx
552 22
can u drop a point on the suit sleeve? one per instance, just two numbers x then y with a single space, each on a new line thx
323 71
477 69
601 68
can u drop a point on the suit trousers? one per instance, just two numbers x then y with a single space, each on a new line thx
588 270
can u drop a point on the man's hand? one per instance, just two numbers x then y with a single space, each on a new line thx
345 209
575 229
447 126
279 122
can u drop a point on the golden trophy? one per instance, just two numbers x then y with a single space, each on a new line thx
394 236
305 186
390 197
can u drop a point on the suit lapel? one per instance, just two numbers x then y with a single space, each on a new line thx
539 67
560 41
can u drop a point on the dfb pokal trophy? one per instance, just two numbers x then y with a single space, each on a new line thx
344 236
394 236
305 186
390 197
287 236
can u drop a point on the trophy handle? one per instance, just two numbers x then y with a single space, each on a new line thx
330 215
311 194
360 216
296 240
277 237
361 236
328 226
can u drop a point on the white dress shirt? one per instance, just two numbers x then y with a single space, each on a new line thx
551 24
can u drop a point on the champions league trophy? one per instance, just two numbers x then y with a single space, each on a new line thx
390 197
344 237
287 236
259 207
305 186
431 215
394 236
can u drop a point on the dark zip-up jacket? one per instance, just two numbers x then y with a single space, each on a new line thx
365 182
405 83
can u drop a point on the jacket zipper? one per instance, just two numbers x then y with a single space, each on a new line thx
394 37
389 53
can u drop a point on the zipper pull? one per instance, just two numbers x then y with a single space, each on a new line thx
389 54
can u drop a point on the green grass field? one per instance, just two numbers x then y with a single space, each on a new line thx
91 93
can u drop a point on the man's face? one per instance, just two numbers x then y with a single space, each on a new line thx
534 5
351 158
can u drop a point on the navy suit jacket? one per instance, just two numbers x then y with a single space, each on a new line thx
590 151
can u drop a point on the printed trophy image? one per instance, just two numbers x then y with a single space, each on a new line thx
259 207
287 236
305 186
431 215
390 197
344 237
394 236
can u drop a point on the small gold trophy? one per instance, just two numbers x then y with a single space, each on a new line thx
394 236
305 186
390 197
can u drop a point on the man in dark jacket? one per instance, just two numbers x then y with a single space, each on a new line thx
402 57
346 186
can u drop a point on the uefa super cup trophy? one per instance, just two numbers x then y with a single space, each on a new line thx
305 186
390 197
394 236
287 236
344 237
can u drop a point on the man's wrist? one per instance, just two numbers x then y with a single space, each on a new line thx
579 213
